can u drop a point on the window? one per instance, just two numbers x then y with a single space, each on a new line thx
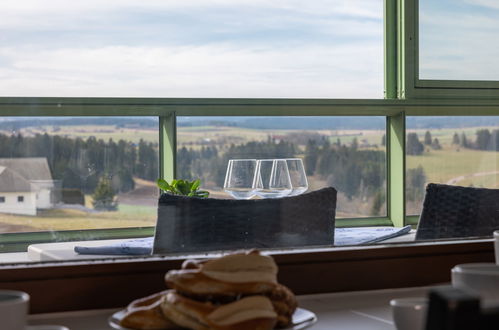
159 76
456 40
208 49
88 172
347 153
2 199
60 73
451 150
448 50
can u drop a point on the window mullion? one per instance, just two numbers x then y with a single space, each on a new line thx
168 146
396 169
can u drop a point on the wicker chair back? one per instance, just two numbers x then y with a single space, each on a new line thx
454 211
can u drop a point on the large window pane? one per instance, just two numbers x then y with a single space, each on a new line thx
457 39
196 48
77 173
459 151
347 153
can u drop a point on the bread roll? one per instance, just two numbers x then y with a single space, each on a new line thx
231 275
146 314
250 313
285 304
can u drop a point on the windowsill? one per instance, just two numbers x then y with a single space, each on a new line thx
65 250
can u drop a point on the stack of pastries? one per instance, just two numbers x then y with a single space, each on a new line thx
238 291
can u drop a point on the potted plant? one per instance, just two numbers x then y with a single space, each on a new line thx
182 187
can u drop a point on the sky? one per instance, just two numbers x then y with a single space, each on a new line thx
459 39
192 48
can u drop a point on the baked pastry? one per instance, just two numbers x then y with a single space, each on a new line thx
250 313
146 314
230 276
235 292
285 304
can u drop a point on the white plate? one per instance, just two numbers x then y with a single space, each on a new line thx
302 318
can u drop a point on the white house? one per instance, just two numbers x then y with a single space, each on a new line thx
16 193
25 185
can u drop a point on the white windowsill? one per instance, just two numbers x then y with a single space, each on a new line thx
65 250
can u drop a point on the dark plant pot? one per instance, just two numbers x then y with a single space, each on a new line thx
191 224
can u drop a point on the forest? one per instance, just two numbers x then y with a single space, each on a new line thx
80 163
358 173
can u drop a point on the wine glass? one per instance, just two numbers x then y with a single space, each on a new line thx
298 177
240 177
272 178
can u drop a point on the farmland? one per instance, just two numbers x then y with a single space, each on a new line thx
451 163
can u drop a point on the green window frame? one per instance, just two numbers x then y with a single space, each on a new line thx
404 96
410 86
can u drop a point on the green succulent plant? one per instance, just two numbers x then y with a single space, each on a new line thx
182 187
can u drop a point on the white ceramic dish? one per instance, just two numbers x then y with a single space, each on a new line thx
14 306
302 318
409 313
479 278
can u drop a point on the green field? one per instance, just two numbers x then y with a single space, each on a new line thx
452 164
65 219
465 166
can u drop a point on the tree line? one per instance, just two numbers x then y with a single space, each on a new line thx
485 139
357 173
86 164
81 163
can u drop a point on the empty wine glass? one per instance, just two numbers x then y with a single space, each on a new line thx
297 175
272 178
240 177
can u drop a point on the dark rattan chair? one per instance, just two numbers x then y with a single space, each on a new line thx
453 211
190 224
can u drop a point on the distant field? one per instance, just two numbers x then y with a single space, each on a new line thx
104 132
444 165
75 220
199 135
456 165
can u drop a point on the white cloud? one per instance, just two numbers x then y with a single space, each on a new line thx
484 3
207 71
90 48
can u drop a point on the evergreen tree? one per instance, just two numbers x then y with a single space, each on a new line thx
416 179
482 139
414 146
494 140
427 138
355 144
311 156
464 141
436 144
378 202
104 196
455 139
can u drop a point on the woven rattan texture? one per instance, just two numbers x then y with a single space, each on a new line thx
453 211
187 224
